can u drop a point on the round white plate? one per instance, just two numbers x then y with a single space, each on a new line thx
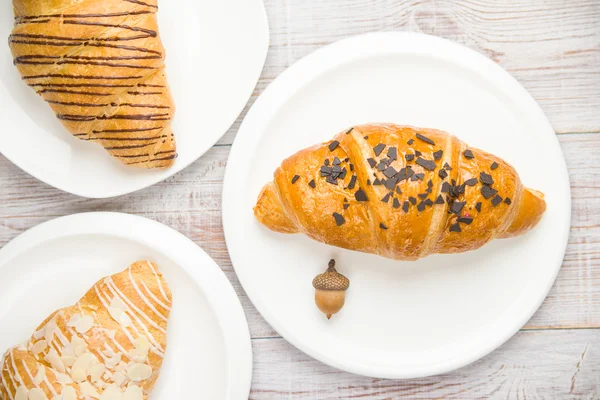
401 319
207 42
51 266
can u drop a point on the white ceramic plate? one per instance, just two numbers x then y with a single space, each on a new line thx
51 266
207 42
401 319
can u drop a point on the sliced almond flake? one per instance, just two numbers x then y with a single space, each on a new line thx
81 367
112 393
85 324
54 360
37 394
133 392
40 376
87 389
39 347
139 372
50 331
118 378
113 361
22 393
96 372
74 320
142 346
68 361
63 379
69 393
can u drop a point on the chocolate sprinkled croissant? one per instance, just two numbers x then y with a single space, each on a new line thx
100 66
400 192
108 346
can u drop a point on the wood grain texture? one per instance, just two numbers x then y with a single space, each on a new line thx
552 47
529 366
190 202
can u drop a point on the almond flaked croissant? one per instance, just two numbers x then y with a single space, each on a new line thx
108 346
100 66
400 192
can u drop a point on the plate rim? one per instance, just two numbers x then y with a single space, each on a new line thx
210 279
309 68
177 167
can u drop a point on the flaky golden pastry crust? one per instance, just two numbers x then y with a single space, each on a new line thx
110 345
100 66
400 192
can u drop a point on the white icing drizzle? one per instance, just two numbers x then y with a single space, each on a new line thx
4 382
124 329
160 287
115 291
153 297
144 298
28 371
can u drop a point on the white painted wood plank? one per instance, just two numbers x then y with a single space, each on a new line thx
190 202
551 47
532 365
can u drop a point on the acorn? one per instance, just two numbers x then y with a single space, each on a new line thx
330 290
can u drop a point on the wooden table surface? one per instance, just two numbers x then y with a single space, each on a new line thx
553 48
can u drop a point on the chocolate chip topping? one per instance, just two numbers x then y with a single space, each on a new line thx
442 173
352 182
486 179
410 142
457 207
381 166
378 149
295 178
464 220
447 167
494 165
391 183
360 195
392 153
455 228
421 207
468 154
346 206
377 182
333 145
398 191
437 154
349 130
396 203
336 161
409 157
496 200
439 200
423 196
389 172
386 198
478 206
488 192
417 153
372 162
382 226
445 187
507 201
471 182
425 139
405 206
420 176
339 219
312 184
412 200
427 164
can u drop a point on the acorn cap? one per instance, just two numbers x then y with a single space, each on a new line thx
331 279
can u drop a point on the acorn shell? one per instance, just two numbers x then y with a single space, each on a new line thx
331 280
